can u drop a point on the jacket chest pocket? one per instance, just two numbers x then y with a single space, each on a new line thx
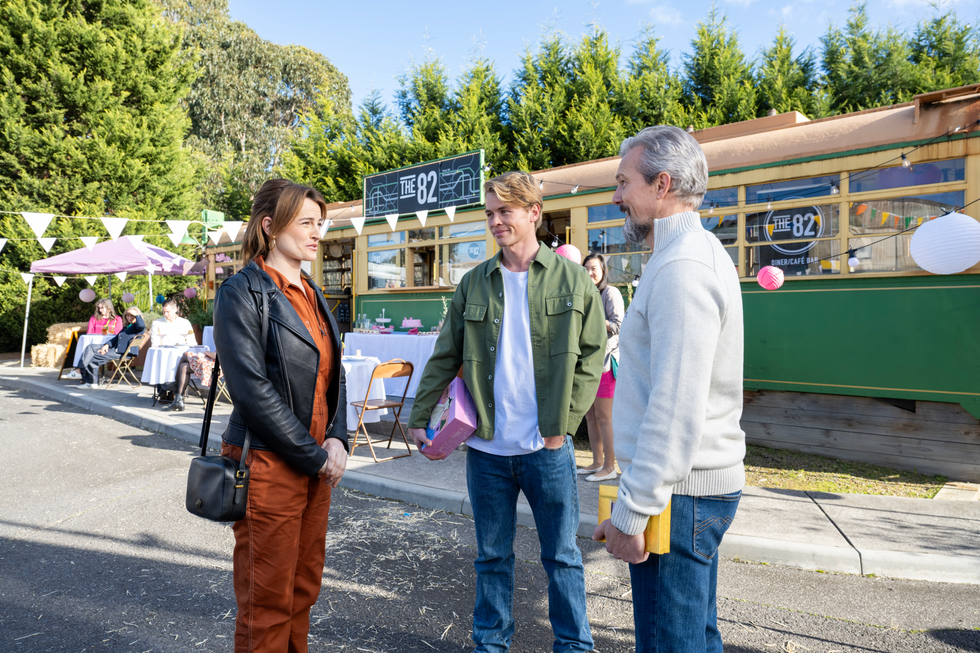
474 331
564 322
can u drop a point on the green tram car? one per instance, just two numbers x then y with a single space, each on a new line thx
876 362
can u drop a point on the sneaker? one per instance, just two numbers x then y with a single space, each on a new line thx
73 374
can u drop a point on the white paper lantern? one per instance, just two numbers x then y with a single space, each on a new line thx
947 245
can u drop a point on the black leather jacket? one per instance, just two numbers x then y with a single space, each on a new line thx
272 383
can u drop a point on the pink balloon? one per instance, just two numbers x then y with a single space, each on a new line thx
770 277
570 252
128 298
190 293
87 295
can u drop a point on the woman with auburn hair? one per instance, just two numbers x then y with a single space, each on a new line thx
290 398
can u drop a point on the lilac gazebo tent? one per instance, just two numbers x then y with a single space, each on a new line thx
124 254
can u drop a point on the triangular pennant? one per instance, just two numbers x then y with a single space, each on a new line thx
187 266
38 222
214 235
3 243
91 279
135 239
114 226
392 219
422 215
47 243
907 220
121 276
324 228
884 218
358 224
231 228
175 239
178 227
451 212
59 280
89 241
150 269
26 276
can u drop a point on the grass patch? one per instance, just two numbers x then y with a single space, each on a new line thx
788 470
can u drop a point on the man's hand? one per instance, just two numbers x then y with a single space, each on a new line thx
628 548
422 441
104 349
336 464
554 442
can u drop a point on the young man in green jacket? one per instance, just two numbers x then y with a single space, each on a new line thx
528 328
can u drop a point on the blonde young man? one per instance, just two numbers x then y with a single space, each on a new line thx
528 328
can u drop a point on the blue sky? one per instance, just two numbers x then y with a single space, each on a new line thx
373 42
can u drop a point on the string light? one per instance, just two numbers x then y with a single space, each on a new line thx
852 259
541 184
834 190
575 190
711 208
906 163
769 203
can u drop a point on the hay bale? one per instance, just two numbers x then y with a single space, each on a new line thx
58 334
48 355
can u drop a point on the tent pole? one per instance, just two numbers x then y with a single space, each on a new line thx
27 314
149 279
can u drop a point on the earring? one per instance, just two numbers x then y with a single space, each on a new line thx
273 245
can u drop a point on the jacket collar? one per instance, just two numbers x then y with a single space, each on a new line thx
667 230
544 257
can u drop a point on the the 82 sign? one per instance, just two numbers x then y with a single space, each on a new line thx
792 224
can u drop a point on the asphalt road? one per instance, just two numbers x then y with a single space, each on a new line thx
98 554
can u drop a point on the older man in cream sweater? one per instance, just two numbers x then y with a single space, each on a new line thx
678 398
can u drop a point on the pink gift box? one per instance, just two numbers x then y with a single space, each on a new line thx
452 420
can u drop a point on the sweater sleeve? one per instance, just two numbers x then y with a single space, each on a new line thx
93 326
684 312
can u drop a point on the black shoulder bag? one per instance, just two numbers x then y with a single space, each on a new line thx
217 486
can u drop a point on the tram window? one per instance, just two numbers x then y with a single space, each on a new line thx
604 212
725 227
899 213
795 259
778 191
386 269
936 172
463 230
720 198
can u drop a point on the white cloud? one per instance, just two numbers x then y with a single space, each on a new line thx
740 3
665 15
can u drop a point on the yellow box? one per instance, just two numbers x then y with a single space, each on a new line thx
657 532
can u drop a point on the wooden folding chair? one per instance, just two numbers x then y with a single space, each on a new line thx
124 365
393 369
221 389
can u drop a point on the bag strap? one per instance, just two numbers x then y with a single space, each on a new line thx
213 394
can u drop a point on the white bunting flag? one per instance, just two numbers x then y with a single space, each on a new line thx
187 266
135 239
175 238
451 212
59 280
121 276
214 235
178 227
91 279
114 226
89 241
38 222
358 224
231 228
3 243
324 228
422 215
26 276
150 269
392 219
47 243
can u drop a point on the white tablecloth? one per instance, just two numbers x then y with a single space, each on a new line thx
209 338
358 377
86 340
161 363
414 349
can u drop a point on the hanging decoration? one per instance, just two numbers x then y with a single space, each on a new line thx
161 299
135 239
59 280
946 245
3 243
89 241
38 222
358 224
114 226
190 292
121 275
231 227
324 228
47 243
571 252
451 212
422 215
178 227
128 298
770 277
392 219
27 277
175 239
91 279
87 295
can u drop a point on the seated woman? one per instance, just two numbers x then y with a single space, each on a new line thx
171 329
94 356
201 365
105 321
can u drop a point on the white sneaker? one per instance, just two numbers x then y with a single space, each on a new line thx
73 374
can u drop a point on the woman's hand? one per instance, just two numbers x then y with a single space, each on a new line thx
336 464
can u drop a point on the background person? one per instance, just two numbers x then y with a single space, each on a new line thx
95 356
201 365
529 394
104 321
679 396
290 393
171 330
599 417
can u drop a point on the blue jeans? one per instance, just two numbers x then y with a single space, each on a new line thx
547 478
674 603
91 360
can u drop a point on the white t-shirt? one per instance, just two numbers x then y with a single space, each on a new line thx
169 334
515 427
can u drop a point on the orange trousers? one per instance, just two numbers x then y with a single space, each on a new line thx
279 551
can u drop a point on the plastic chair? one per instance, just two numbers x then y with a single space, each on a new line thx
124 365
392 369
